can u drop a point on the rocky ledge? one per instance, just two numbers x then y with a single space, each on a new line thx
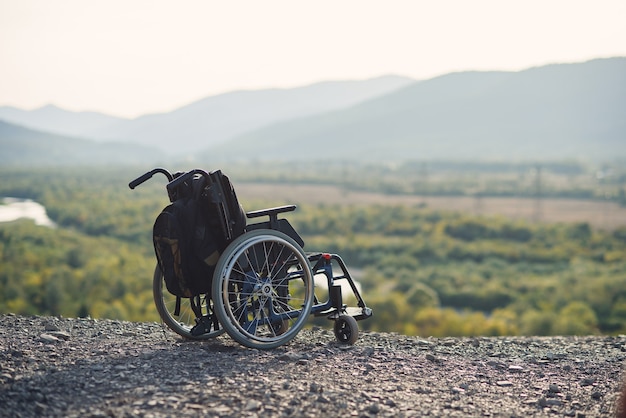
104 368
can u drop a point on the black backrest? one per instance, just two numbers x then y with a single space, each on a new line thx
225 205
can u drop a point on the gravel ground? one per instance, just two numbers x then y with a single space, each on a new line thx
104 368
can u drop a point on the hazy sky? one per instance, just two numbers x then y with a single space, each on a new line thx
132 57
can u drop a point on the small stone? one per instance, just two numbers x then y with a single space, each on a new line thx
47 338
51 327
289 357
496 364
374 408
554 388
596 395
62 335
431 357
40 408
516 368
504 383
368 352
221 409
252 405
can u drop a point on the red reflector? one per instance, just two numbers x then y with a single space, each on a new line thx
326 256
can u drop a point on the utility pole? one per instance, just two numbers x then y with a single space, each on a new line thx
537 215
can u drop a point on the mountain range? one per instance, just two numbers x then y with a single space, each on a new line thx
212 120
553 112
567 111
25 147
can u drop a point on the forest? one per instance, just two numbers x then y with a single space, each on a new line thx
423 272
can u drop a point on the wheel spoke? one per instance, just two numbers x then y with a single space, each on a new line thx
268 289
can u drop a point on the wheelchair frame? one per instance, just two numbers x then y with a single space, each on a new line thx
263 288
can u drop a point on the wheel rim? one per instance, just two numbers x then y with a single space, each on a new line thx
266 289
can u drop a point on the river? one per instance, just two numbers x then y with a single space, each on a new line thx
12 209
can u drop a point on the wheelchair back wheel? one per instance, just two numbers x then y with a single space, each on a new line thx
184 321
263 289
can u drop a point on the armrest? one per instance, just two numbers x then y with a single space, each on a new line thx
271 212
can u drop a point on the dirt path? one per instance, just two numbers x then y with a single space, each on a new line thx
58 367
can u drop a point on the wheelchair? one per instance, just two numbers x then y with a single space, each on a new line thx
264 284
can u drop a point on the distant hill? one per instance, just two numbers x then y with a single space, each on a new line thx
558 112
555 112
55 120
24 147
209 121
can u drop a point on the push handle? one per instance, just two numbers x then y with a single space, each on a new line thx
147 176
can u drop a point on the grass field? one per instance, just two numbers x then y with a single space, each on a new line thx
601 215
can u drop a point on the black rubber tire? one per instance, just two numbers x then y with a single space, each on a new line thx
183 323
346 329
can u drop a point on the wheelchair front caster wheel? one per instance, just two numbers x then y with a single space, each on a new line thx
346 329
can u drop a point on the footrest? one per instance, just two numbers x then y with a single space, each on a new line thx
357 313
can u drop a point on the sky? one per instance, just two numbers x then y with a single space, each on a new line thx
133 57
